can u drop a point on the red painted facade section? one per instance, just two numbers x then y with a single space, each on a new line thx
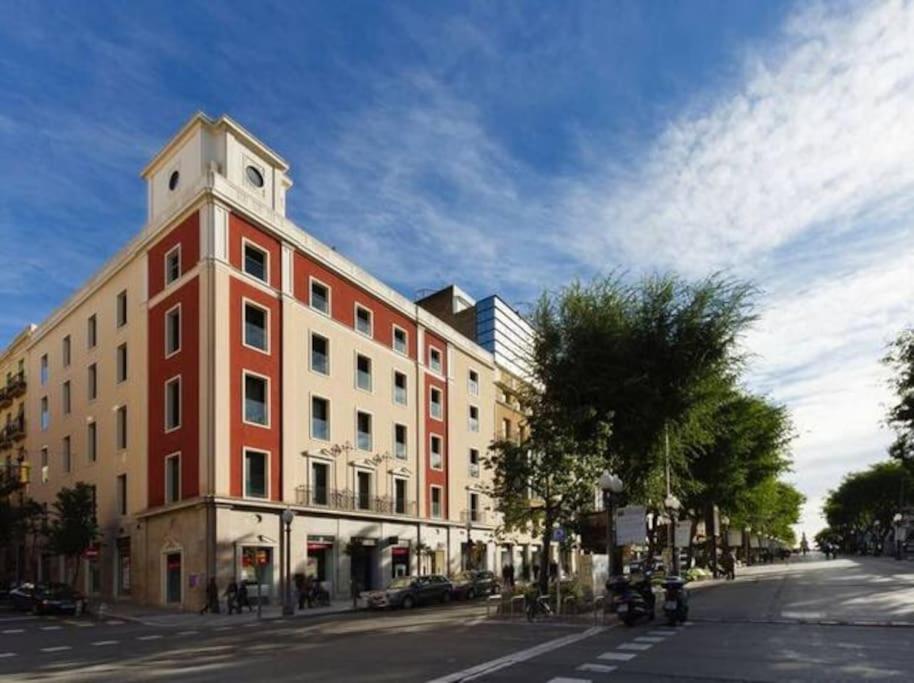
241 230
186 362
435 477
344 295
244 435
187 233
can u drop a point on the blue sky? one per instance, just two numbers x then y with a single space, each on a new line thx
511 147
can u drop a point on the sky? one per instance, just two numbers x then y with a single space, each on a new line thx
512 147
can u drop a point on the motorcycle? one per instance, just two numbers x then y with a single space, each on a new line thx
632 600
675 600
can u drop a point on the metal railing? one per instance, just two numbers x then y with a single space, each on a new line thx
15 385
14 429
352 501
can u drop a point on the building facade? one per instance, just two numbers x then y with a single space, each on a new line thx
226 366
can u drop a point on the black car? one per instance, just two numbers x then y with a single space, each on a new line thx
54 598
473 583
409 591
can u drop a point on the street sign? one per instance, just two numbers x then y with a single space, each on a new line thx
558 534
91 553
631 525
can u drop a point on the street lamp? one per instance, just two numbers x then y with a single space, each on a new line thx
673 506
470 542
611 484
896 520
287 517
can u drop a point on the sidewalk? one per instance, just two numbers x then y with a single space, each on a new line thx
157 616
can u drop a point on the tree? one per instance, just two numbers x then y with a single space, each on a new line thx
19 514
771 508
74 528
901 415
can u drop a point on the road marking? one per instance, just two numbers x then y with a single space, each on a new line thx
562 679
516 657
50 628
640 647
187 633
4 655
617 656
251 625
154 636
649 639
663 632
81 624
223 628
105 642
59 648
13 630
114 622
597 668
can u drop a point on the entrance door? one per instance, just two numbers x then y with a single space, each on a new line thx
360 567
399 561
173 578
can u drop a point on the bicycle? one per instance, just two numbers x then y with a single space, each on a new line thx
538 607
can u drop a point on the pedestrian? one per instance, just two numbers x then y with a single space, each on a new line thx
729 563
307 592
231 598
212 598
300 590
511 576
243 598
505 576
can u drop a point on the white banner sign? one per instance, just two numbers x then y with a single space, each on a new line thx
735 538
631 525
683 533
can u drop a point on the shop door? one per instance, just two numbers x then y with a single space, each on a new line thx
173 578
360 567
399 561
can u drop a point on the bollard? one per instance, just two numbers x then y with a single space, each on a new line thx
489 601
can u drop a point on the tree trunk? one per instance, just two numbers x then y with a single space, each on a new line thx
544 557
75 572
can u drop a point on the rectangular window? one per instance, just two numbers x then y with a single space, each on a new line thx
122 309
256 410
45 414
400 395
363 322
122 427
172 404
255 262
474 419
44 465
92 442
363 431
91 332
320 354
65 397
400 496
363 372
473 383
436 502
122 363
43 374
434 359
437 461
172 264
65 352
93 382
173 478
173 331
401 344
474 507
65 448
320 418
320 297
436 409
320 472
363 487
122 493
506 428
474 463
255 474
400 441
255 327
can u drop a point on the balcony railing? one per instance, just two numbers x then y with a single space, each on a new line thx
5 398
473 516
16 384
474 470
14 430
352 501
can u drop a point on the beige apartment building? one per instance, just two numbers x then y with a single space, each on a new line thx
225 366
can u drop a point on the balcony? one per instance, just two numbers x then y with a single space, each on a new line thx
16 385
351 501
5 398
473 516
474 470
15 429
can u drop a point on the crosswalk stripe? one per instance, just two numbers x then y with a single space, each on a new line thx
13 630
649 639
663 632
187 633
597 668
617 656
4 655
114 622
105 642
51 628
640 647
59 648
154 636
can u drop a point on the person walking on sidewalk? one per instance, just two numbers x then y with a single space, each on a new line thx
231 598
212 598
243 598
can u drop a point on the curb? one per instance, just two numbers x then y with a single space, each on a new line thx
156 623
806 622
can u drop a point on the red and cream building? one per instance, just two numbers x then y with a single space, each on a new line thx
225 366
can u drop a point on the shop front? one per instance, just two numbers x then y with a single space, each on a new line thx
399 560
320 563
257 572
122 567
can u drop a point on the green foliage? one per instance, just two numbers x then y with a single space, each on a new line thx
900 360
772 507
19 515
73 528
864 498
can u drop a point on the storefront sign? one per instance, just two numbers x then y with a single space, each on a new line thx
318 546
399 551
91 553
361 540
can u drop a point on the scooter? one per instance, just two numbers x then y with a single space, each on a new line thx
632 600
675 600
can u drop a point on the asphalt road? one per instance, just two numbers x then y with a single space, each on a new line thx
813 620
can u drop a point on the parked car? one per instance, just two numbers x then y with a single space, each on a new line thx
409 591
473 583
54 598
